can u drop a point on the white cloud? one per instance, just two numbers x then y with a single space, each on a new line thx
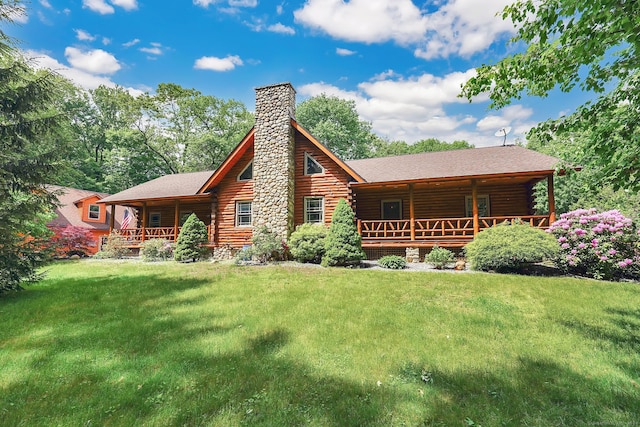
368 21
344 52
99 6
46 4
243 3
95 61
218 64
151 50
464 27
84 36
232 3
204 3
279 9
411 109
131 43
126 4
106 41
280 28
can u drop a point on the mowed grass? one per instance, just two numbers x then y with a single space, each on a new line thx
110 343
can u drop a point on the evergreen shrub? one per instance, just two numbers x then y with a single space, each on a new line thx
600 245
394 262
193 235
439 257
266 246
306 243
156 250
509 247
343 244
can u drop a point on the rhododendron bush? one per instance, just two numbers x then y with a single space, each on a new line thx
602 245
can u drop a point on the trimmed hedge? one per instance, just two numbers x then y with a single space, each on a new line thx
306 243
394 262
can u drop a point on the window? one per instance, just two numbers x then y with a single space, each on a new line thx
314 209
483 205
154 219
243 214
311 165
247 172
94 211
392 209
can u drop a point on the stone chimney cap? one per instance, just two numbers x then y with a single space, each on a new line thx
275 85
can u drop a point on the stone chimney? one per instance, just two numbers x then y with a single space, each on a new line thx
273 159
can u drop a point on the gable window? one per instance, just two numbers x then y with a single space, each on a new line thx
247 172
243 214
311 165
483 205
391 209
314 210
94 212
154 219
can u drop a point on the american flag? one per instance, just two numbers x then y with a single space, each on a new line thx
126 219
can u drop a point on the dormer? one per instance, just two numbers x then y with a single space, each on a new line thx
91 210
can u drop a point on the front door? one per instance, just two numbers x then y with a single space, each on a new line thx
392 209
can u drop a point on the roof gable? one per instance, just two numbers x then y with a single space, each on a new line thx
229 162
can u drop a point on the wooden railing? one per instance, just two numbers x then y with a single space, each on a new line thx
437 228
133 236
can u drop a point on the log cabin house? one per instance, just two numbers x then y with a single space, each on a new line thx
280 176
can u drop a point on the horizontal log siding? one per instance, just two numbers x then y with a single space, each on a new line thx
332 184
229 191
443 203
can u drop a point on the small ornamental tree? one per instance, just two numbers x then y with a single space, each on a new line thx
193 235
71 240
343 244
600 245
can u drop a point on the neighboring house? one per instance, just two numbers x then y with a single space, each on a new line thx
80 208
280 176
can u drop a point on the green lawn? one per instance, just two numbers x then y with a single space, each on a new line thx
108 343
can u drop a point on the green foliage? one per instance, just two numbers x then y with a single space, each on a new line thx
396 148
508 247
307 243
114 248
394 262
592 45
193 235
335 122
343 244
30 152
266 246
156 250
439 257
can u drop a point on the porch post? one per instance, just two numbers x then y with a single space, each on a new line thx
112 219
552 200
474 199
412 216
144 221
176 221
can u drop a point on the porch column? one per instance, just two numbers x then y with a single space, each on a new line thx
176 221
112 219
474 200
412 216
552 200
144 221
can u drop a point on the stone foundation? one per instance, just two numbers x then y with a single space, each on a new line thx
412 254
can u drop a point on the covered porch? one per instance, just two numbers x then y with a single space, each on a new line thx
447 212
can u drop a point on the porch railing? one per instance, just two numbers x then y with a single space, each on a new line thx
437 228
133 236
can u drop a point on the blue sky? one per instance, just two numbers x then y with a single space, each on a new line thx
402 62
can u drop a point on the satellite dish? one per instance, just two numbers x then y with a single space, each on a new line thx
503 132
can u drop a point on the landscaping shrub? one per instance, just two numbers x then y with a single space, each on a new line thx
600 245
115 248
266 246
439 257
71 240
508 247
343 244
156 250
307 243
193 235
394 262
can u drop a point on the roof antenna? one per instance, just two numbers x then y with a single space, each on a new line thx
503 132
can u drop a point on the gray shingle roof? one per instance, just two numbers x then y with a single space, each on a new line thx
175 185
455 163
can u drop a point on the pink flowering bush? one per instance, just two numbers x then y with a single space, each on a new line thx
601 245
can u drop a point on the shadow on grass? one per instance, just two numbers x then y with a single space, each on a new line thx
107 351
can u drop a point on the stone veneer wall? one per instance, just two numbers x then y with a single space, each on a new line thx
273 159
